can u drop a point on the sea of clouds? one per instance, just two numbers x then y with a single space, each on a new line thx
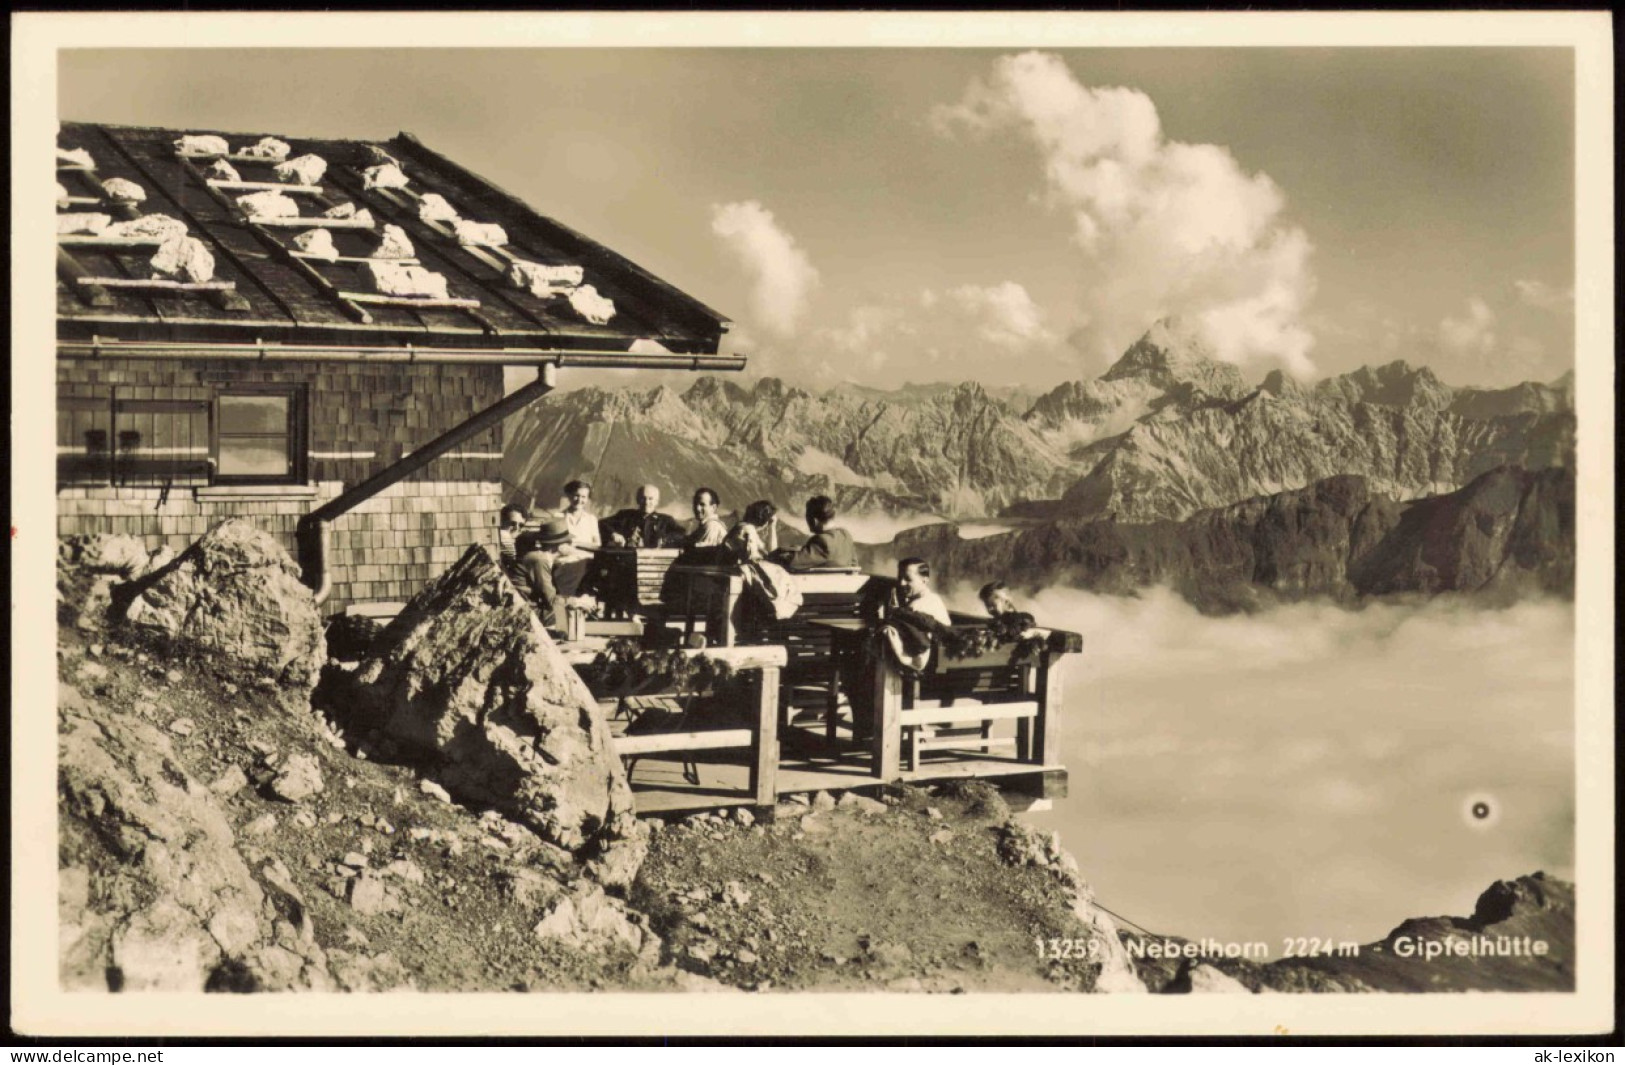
1307 771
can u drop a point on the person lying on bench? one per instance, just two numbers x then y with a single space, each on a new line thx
826 548
1003 617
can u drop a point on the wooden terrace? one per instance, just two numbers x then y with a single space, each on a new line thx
987 717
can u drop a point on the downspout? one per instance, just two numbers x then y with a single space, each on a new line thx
312 534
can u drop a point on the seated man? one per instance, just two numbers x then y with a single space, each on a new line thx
538 552
826 548
510 523
642 526
909 616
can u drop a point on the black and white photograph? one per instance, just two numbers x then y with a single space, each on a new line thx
814 524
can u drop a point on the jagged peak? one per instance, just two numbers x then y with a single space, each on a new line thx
1392 384
1172 355
708 387
1280 383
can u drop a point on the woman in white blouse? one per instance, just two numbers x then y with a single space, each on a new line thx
578 518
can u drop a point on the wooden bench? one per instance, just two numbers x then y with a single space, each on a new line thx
953 705
633 578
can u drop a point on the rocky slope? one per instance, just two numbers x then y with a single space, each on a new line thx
1510 532
1167 431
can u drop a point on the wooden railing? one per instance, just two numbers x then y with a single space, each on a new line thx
975 691
760 737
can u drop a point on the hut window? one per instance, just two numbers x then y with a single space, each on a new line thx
258 436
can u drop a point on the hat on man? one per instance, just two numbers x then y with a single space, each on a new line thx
548 534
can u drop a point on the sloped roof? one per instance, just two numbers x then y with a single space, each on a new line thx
278 296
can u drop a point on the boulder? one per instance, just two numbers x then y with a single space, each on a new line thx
268 205
305 170
394 244
123 190
122 556
159 226
267 148
299 778
589 921
544 281
75 157
88 222
349 210
202 144
433 207
221 170
154 894
183 259
383 176
586 302
487 234
397 279
468 677
317 243
237 593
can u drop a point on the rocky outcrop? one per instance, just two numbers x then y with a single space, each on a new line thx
468 679
236 593
165 901
1509 532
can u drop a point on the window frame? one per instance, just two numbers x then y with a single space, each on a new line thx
298 435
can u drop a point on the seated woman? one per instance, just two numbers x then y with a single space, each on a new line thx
769 592
757 533
579 520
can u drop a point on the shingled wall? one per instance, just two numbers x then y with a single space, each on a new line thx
388 547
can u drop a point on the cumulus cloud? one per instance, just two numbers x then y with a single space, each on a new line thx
1004 315
782 275
1546 297
1471 334
1168 228
948 335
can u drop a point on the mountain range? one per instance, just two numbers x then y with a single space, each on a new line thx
1508 533
1166 432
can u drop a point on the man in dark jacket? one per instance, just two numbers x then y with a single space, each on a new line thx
643 525
826 548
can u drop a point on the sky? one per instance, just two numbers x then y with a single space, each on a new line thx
887 216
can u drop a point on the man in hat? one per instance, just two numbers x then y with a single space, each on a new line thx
538 552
